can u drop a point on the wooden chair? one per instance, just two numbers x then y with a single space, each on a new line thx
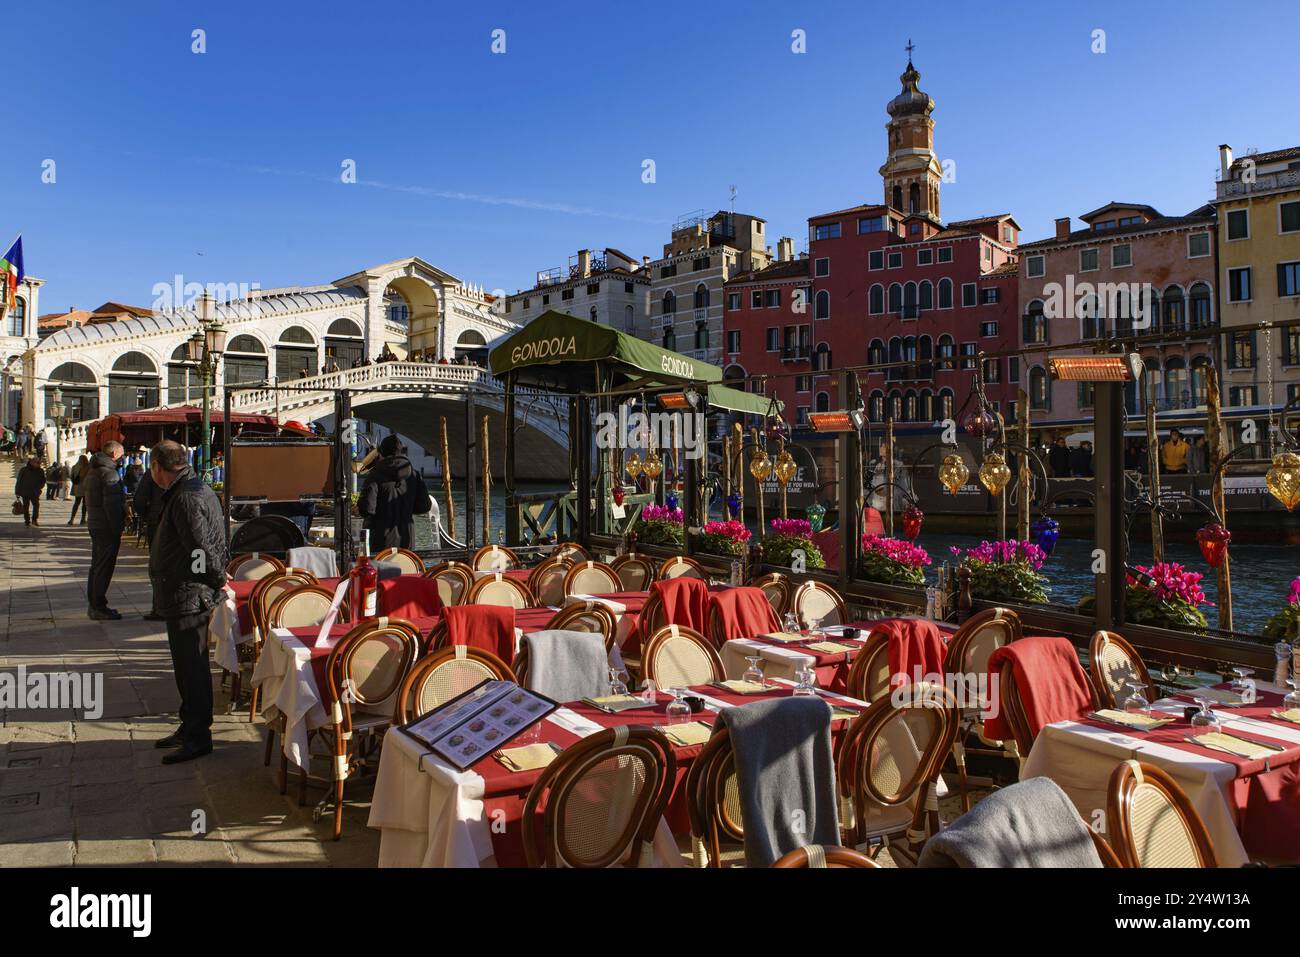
586 616
546 581
714 627
1151 821
499 590
888 763
365 671
868 678
252 566
1013 708
265 592
713 802
817 856
442 675
300 607
678 657
816 604
570 550
600 801
679 566
1112 662
968 658
591 578
635 572
410 563
494 558
454 579
778 590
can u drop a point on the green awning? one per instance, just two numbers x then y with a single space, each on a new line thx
734 400
556 342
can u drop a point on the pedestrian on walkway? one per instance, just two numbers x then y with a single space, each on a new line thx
51 481
187 567
391 496
79 473
24 441
65 479
106 514
42 440
30 481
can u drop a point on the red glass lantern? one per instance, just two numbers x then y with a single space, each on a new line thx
979 423
618 494
912 519
1214 540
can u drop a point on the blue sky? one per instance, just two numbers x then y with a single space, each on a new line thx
225 167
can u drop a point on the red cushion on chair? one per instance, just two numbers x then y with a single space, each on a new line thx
490 627
686 602
913 643
1050 679
744 613
410 597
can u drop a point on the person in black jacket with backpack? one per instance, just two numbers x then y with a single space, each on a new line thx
187 567
28 485
106 515
392 495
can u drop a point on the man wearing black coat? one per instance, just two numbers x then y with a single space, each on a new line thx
187 566
392 495
28 485
105 508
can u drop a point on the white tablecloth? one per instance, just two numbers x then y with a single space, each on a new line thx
1081 758
224 635
288 686
778 662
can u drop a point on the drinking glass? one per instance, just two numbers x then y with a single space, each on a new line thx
1240 683
754 672
617 681
1205 721
1136 702
792 623
678 711
806 676
1292 698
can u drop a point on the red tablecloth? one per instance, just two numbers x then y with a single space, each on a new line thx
320 655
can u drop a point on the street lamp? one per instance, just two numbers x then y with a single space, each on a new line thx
56 413
205 347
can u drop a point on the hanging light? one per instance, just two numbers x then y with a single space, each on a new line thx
912 519
618 494
785 467
816 515
1283 479
671 499
633 465
733 505
653 466
994 473
1046 531
760 466
979 422
953 473
1214 540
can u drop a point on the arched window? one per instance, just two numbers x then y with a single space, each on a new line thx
183 383
822 358
927 295
914 198
909 301
895 298
18 318
133 383
343 343
1198 382
876 300
898 198
1035 323
80 391
1040 396
670 303
593 314
909 406
1089 319
895 370
1175 311
245 343
245 360
629 319
823 403
876 406
925 406
909 356
925 352
876 353
344 327
896 406
295 354
822 309
1200 310
947 352
701 296
946 404
945 293
297 335
1177 387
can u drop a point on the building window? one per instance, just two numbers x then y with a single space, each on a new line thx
803 416
772 298
1288 279
876 259
546 300
1035 332
988 330
699 265
1087 395
1036 267
629 320
756 299
1040 396
593 288
993 371
667 272
827 231
1013 370
822 266
803 383
1241 350
968 294
896 297
822 307
945 254
670 339
990 297
701 336
18 318
927 295
895 260
876 300
566 295
1087 260
1238 224
701 296
1198 245
1288 215
969 352
1241 395
733 301
946 352
1200 312
1121 255
669 303
628 288
773 339
945 293
924 257
733 342
594 315
871 224
1239 284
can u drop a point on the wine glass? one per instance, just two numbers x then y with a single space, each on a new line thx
1136 702
791 623
754 673
1292 698
678 711
1205 721
617 682
806 676
1241 683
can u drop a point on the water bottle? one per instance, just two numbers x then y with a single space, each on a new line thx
736 575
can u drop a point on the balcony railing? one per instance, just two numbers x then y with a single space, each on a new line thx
795 353
1228 188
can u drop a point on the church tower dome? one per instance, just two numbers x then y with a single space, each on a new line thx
912 172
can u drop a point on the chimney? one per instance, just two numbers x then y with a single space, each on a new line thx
645 262
1225 160
1063 228
784 249
584 262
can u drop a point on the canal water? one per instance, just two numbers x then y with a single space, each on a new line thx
1260 573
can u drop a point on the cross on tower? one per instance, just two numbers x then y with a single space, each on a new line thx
909 48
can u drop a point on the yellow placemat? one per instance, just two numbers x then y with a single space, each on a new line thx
615 699
528 758
1218 741
783 636
736 686
1229 699
846 714
1291 714
830 647
1143 722
693 732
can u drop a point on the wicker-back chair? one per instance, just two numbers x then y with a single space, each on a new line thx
251 566
679 566
454 579
888 762
600 801
300 607
570 550
635 572
868 678
407 560
494 558
818 856
816 604
264 594
591 578
499 590
778 591
443 674
1013 708
677 657
586 616
713 801
1151 821
1112 663
546 581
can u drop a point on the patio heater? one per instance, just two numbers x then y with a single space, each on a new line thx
1109 374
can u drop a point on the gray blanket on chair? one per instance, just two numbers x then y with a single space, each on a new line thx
1030 824
567 665
786 776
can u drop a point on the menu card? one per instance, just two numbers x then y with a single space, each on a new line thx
476 723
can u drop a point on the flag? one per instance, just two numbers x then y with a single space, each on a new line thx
11 268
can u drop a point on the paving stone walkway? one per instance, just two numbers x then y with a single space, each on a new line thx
79 791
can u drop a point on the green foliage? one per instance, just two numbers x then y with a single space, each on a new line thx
1285 625
715 544
875 567
1006 581
659 532
780 549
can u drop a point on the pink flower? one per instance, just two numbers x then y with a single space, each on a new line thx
733 529
797 527
1170 581
1293 597
896 550
1004 552
662 513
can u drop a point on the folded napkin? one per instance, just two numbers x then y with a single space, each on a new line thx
915 644
530 757
783 636
688 734
736 686
567 665
1223 696
1230 744
617 607
489 627
1142 722
743 612
573 722
1052 685
1291 714
830 647
685 601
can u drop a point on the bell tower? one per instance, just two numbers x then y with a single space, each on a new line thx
912 173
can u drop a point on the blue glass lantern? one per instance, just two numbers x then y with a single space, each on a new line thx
1046 531
671 499
816 513
733 505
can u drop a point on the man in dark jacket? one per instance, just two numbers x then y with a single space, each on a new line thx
391 496
30 481
187 567
105 509
1058 457
148 506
